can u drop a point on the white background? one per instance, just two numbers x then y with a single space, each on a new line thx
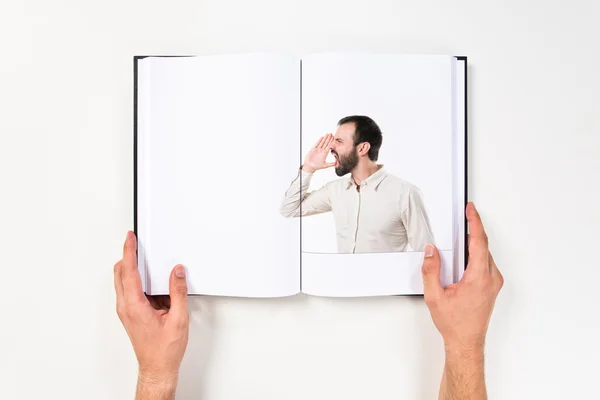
410 98
66 175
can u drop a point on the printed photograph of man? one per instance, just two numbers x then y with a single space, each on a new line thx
373 210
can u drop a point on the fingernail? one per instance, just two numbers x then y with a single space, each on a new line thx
429 251
180 271
130 235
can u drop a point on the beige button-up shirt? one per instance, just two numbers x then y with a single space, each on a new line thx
387 214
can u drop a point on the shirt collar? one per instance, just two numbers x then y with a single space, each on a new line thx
372 180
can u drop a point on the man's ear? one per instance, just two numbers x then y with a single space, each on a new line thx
363 148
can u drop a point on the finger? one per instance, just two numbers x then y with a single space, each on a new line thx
178 292
318 144
478 243
130 275
432 286
118 283
323 141
330 164
329 140
327 145
476 230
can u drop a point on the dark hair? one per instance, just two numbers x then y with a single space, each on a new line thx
366 130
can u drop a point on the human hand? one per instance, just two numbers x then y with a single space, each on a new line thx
158 326
462 311
317 155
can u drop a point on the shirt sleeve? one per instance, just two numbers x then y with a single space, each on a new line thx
415 220
297 201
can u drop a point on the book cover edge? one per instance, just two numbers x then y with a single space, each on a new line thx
466 193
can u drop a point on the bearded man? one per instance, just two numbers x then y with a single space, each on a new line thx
373 210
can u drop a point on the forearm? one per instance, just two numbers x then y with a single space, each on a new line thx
463 375
442 395
297 201
159 388
290 206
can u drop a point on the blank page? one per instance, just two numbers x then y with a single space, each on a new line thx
215 134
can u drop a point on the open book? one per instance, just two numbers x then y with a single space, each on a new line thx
267 175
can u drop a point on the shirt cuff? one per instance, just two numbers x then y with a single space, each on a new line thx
305 175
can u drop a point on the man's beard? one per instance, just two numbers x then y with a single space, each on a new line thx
347 162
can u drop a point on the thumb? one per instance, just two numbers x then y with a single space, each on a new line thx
178 291
330 164
432 286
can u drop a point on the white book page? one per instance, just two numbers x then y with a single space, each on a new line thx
410 98
460 199
219 131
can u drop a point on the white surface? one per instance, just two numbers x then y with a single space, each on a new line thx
221 132
368 274
66 175
410 98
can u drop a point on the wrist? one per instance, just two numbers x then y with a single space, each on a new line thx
159 383
464 376
307 169
465 352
